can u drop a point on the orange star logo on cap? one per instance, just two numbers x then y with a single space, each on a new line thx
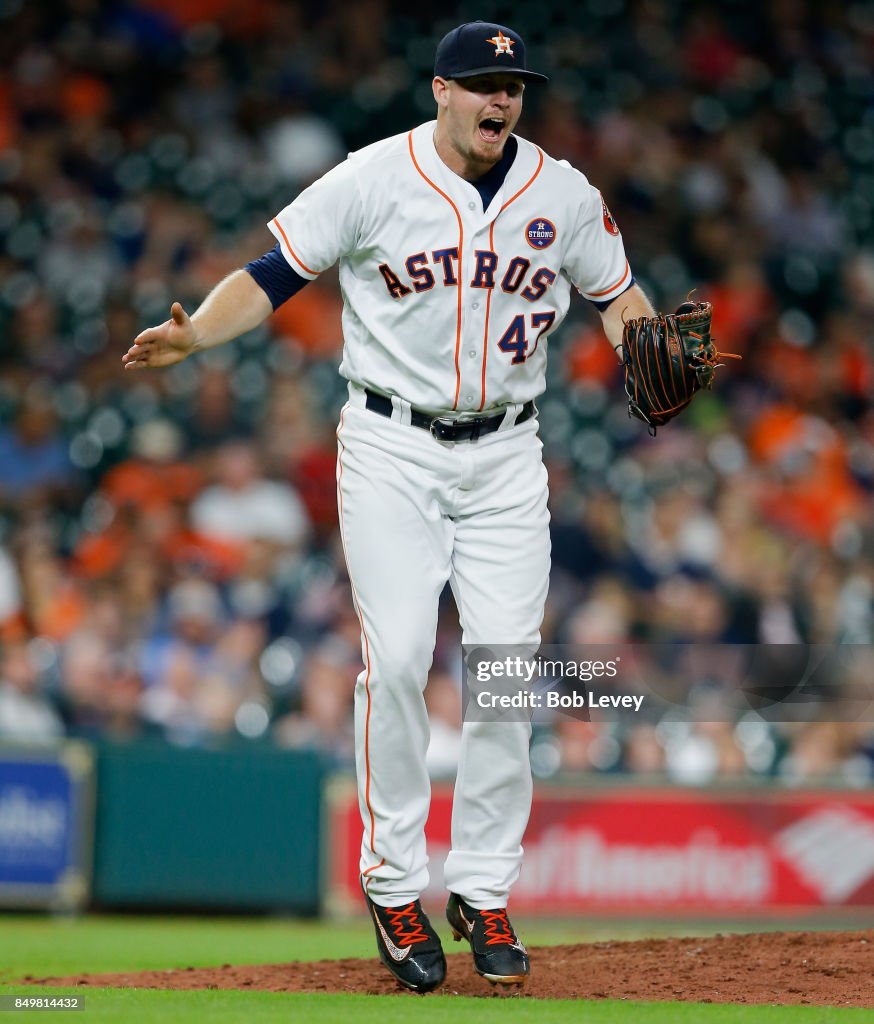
503 44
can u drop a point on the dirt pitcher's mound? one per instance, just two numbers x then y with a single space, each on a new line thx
818 968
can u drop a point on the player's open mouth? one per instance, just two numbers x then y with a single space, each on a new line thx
491 128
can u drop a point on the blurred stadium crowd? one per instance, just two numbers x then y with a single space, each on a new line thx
169 558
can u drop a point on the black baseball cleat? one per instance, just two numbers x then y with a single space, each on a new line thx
408 945
498 953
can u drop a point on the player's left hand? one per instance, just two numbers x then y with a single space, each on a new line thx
667 359
164 345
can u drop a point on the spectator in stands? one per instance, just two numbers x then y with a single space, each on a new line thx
443 700
35 467
738 156
826 751
26 714
242 504
11 609
199 664
324 721
643 753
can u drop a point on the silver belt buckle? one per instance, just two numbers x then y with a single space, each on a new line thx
434 426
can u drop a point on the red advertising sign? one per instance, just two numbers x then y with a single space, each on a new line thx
638 850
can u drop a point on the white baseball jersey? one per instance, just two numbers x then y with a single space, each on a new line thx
445 305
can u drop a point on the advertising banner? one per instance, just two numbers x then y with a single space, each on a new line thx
638 850
46 826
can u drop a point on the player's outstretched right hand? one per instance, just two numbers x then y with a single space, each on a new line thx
164 345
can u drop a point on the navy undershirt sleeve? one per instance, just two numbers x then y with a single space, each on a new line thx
276 278
601 306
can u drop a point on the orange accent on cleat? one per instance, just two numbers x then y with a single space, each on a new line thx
406 924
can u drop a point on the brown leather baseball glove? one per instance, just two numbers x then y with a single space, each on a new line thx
667 359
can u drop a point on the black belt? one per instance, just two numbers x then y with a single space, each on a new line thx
443 428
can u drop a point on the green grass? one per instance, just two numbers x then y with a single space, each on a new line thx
39 945
43 946
138 1006
59 946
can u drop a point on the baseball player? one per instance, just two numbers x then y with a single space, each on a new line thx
458 244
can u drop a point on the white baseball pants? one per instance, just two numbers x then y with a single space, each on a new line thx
415 513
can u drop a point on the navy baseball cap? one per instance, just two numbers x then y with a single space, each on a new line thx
482 48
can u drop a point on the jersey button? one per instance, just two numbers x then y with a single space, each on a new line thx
471 206
474 305
472 353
